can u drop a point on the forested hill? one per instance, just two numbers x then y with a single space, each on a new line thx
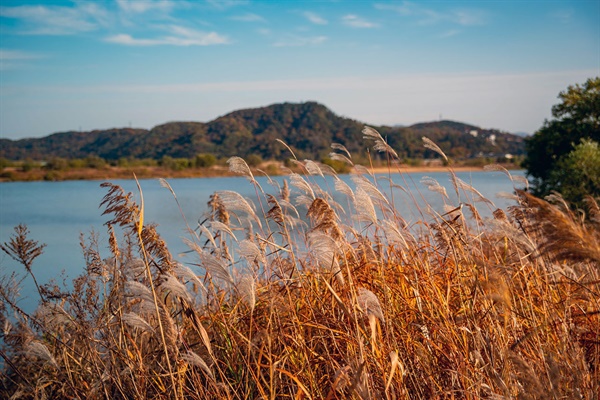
308 128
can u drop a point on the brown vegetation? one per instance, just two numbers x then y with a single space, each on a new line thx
343 305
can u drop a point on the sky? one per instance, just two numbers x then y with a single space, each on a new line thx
85 65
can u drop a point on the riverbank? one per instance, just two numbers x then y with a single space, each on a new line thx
147 172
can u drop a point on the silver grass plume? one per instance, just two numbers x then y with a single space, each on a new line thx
380 144
323 246
194 359
304 200
234 201
324 219
184 272
147 307
217 226
394 185
501 226
369 303
429 144
287 147
520 179
251 252
237 165
341 157
285 191
327 170
39 350
325 250
364 207
513 178
139 290
171 284
247 289
313 168
508 196
434 186
135 267
370 188
474 213
192 245
497 167
215 266
53 315
393 234
362 170
334 204
465 186
6 327
289 206
343 187
135 321
300 183
451 211
341 147
208 234
163 182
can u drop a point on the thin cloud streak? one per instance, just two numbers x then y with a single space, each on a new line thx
136 6
315 18
298 41
180 36
57 20
357 22
429 16
249 17
15 59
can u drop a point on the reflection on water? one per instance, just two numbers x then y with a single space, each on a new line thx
58 213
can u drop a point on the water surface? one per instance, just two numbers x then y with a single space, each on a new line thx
58 213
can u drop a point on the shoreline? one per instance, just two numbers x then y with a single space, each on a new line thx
13 175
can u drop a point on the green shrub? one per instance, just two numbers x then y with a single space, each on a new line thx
254 160
205 160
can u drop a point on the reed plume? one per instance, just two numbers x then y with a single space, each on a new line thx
562 236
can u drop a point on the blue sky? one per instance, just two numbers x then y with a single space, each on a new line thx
70 65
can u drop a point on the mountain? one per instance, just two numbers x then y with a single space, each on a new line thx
307 128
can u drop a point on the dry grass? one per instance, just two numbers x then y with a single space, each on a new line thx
336 305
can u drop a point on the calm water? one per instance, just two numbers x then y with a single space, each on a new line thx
57 213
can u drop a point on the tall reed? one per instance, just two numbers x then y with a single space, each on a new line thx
299 297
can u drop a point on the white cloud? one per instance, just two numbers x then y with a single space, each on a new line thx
429 16
57 20
450 33
226 4
468 17
249 17
315 18
357 22
137 6
179 36
296 41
